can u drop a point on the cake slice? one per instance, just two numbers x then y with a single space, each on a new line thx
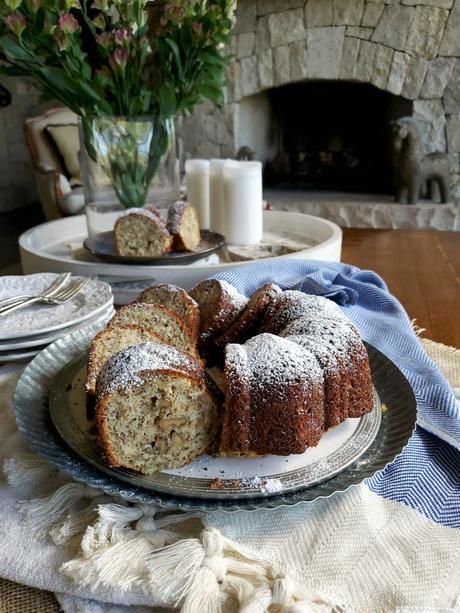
111 340
220 304
153 409
141 233
160 320
250 317
176 299
183 226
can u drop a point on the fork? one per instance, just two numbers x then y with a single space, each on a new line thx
49 291
60 297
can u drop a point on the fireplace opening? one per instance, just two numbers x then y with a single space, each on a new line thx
324 135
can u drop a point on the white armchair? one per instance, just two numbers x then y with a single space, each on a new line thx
56 164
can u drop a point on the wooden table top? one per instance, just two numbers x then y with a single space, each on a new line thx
420 267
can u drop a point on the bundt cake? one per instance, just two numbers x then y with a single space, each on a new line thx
250 317
141 233
153 408
289 305
341 335
176 299
220 304
336 384
275 398
160 320
183 226
294 365
111 340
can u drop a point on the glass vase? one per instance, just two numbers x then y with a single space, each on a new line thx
126 163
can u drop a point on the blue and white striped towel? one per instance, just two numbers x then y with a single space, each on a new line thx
432 458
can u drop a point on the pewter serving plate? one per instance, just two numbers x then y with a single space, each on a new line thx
102 246
346 455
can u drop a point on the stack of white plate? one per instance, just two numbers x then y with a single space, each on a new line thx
25 332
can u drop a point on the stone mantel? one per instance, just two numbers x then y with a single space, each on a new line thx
410 48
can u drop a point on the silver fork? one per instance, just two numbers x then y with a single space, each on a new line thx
49 291
62 296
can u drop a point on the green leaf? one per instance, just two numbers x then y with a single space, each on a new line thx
176 52
211 92
167 100
186 37
14 71
86 71
56 77
212 56
15 52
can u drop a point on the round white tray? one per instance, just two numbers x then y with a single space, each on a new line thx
55 247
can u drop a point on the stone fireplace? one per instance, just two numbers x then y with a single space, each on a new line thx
339 70
325 135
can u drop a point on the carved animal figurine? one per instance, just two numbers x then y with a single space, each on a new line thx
413 170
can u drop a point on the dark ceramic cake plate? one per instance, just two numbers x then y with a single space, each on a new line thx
375 441
102 246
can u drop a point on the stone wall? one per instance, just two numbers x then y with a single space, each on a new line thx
410 48
17 184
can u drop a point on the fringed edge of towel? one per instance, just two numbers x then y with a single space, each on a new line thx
123 546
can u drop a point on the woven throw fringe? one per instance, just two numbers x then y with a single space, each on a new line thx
201 574
25 469
418 331
123 545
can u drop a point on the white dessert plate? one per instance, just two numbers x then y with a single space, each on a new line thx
18 356
42 340
94 298
212 477
27 350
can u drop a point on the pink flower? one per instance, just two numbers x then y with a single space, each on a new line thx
103 73
16 23
104 39
119 59
102 76
61 40
197 28
68 23
174 14
121 36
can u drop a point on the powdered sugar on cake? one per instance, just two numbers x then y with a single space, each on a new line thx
275 360
334 331
144 212
236 298
124 368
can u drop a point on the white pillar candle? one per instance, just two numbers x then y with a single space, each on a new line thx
216 196
243 202
197 180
